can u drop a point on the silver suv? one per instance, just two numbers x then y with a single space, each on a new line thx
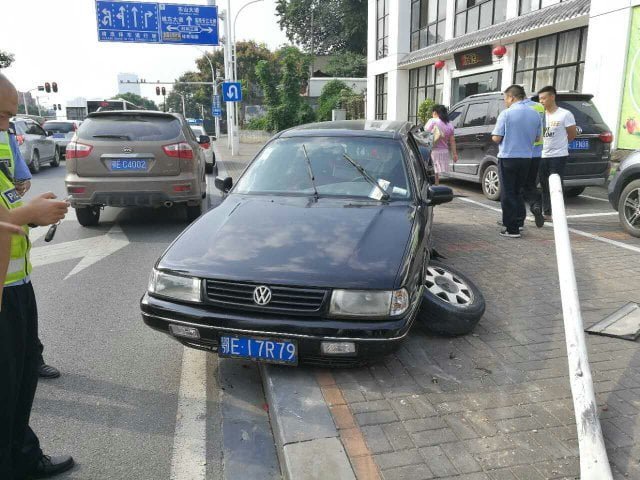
135 158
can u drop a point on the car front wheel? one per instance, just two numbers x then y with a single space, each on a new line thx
451 303
629 208
88 216
491 183
56 159
34 166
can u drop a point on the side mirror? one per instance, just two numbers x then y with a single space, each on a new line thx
48 133
437 195
204 139
224 184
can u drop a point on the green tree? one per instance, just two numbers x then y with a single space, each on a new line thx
347 64
6 59
425 110
325 26
329 99
138 100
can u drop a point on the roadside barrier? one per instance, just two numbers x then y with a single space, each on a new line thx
594 464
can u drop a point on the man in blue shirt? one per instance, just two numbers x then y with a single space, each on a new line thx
517 129
23 183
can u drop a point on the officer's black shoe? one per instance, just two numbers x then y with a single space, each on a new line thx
47 371
51 466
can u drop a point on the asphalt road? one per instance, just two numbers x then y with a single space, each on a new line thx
118 407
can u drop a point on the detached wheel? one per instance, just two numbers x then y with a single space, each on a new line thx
491 183
572 192
193 212
34 166
629 208
451 303
88 216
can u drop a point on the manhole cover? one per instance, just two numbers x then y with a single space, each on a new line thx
623 323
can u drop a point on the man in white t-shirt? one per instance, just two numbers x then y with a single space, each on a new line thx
559 131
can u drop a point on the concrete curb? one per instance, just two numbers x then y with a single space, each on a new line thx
307 441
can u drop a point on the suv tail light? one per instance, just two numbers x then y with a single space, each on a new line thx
179 150
606 137
20 139
78 150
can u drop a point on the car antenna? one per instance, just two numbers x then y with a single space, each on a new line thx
311 175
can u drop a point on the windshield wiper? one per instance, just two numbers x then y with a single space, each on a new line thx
366 176
311 175
117 137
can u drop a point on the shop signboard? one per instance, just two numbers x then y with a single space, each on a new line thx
478 57
629 133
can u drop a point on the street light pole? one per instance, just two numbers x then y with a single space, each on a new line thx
24 100
229 77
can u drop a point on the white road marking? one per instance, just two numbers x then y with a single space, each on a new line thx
594 198
189 457
90 250
615 243
587 215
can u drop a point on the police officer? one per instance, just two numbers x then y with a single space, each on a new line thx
20 453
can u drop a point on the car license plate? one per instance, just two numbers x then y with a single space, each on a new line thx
58 135
579 145
129 165
267 350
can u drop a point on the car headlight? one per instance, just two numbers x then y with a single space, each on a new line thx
163 284
369 303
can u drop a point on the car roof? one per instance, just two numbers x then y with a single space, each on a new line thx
149 113
561 95
351 128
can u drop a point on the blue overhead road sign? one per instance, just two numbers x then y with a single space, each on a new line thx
190 24
157 23
232 92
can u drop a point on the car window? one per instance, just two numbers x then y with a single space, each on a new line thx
282 168
59 127
455 116
476 114
197 131
584 111
131 127
33 129
494 110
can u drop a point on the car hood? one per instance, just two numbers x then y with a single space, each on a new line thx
296 241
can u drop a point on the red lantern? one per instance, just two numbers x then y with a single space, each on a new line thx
439 64
499 51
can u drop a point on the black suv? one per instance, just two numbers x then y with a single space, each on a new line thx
474 119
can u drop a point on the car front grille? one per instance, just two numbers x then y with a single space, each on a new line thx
283 299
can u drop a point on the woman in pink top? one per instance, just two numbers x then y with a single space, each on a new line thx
444 146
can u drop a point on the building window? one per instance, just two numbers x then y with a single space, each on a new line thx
527 6
424 82
382 31
382 82
556 60
427 22
473 15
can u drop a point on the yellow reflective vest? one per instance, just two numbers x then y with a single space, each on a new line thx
19 264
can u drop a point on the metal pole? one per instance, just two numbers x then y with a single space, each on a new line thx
38 104
24 100
214 92
184 110
229 68
594 464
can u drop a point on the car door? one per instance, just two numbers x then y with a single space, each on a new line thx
473 135
456 116
39 140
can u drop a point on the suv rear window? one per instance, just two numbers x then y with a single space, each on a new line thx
584 111
130 127
59 127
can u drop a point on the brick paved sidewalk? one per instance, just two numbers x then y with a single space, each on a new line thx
496 404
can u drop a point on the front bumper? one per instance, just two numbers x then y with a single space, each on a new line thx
373 339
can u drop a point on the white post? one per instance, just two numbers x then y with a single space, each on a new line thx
184 110
594 464
225 16
24 100
216 120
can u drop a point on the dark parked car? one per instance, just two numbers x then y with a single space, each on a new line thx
475 117
320 253
624 193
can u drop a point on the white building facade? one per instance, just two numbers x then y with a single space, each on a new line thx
577 45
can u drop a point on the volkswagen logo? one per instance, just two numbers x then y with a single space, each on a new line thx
127 149
579 130
262 295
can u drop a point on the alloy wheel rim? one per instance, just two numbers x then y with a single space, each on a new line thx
447 286
491 182
632 208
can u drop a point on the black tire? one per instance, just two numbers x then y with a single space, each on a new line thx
571 192
88 216
56 159
629 208
438 313
34 166
208 168
193 212
490 181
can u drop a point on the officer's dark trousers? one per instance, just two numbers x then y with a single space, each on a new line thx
19 352
513 174
530 192
549 166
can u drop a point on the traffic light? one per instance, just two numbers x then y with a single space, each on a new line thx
55 107
59 107
54 87
164 92
41 88
157 90
47 87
